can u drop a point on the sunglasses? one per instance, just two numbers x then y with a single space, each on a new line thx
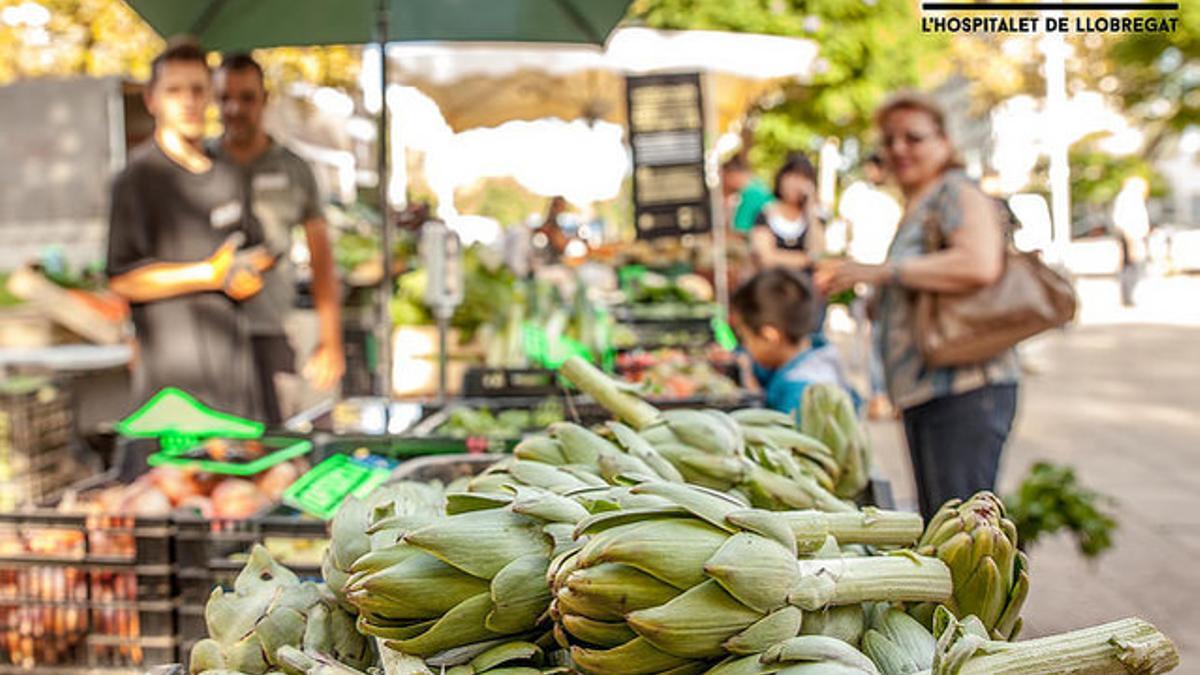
909 138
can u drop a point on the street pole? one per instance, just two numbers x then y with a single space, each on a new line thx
1055 49
383 331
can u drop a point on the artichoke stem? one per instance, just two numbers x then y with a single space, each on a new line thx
893 578
871 526
1121 647
628 408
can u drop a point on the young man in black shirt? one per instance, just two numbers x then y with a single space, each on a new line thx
178 221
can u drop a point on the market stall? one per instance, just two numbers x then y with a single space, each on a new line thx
570 468
655 541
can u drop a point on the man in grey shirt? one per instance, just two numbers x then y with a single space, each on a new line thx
282 194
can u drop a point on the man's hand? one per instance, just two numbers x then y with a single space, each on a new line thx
221 261
243 282
257 257
326 366
238 273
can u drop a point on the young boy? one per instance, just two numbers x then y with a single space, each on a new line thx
773 315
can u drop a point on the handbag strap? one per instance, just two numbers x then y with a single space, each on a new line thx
932 224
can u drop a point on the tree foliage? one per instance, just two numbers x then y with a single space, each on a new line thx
868 49
107 38
1158 76
82 37
1097 176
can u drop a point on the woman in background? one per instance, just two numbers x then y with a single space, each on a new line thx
790 231
956 419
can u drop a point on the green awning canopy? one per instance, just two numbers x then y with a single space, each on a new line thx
250 24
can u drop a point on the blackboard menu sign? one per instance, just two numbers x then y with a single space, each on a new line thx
666 132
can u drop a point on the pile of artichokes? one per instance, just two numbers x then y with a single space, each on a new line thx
269 609
675 542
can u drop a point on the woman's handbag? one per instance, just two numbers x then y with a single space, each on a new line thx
958 329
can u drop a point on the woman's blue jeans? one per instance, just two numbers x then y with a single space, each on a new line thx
955 443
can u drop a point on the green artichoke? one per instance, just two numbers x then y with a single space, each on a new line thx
773 441
509 658
708 447
388 512
806 655
571 457
297 662
828 415
846 623
979 544
702 577
1125 647
897 643
765 459
271 608
477 575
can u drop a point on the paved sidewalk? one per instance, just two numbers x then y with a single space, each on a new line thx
1118 397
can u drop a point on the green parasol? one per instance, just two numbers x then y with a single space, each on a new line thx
230 25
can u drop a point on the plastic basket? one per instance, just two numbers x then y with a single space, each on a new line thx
83 592
321 491
284 449
211 551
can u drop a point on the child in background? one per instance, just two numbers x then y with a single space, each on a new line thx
773 315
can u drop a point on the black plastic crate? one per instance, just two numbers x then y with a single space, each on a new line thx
878 493
35 416
393 447
584 410
85 636
506 382
106 655
46 537
686 316
361 350
211 552
428 430
192 628
445 468
51 581
202 542
41 485
183 656
84 592
36 429
40 463
80 592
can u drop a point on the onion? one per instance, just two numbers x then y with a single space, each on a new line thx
146 502
238 498
177 484
276 480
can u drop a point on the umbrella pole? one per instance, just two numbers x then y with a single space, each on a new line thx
384 329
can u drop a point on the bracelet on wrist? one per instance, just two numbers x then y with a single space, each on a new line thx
894 274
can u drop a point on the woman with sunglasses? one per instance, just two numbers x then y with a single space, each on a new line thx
956 419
